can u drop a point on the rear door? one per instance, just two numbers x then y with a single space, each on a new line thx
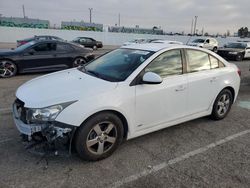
203 83
165 102
64 56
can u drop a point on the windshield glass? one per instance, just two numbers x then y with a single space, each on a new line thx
24 46
236 45
117 65
199 41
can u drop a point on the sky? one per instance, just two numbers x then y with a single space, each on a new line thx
214 16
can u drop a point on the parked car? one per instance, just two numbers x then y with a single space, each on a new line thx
124 94
42 55
39 37
135 41
166 42
208 43
235 51
88 42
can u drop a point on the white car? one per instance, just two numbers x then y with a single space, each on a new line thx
166 42
135 41
208 43
124 94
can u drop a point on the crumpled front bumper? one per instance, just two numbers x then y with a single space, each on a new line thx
43 138
26 129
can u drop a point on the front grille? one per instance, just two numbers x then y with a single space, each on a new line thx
21 110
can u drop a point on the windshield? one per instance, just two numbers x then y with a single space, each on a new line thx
117 65
24 46
236 45
199 41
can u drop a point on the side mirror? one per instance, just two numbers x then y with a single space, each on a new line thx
151 78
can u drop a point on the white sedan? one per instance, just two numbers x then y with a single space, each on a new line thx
129 92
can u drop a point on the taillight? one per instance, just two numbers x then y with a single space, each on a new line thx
239 72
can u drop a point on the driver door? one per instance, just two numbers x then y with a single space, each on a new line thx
158 104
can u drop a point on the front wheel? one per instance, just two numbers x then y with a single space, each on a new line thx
222 105
99 137
7 69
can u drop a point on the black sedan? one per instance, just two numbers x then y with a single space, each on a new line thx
39 56
235 51
38 37
88 42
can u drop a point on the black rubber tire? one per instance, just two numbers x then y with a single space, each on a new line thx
215 115
95 47
215 49
83 132
239 57
14 71
83 62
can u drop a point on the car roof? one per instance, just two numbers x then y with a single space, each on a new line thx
151 46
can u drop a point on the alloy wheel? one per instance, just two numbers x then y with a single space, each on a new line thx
78 62
223 104
101 138
7 69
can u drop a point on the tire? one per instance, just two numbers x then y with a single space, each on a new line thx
222 105
239 57
7 69
99 137
215 49
78 62
94 47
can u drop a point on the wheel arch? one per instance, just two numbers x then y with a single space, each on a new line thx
118 114
231 89
8 59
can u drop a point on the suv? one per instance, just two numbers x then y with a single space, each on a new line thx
208 43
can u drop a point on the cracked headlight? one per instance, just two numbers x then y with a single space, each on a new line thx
41 115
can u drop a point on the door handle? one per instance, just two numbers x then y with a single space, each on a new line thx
180 88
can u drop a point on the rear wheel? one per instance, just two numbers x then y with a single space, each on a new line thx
99 137
79 61
239 57
215 49
222 105
7 69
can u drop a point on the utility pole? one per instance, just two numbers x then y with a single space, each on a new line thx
195 23
90 15
24 12
119 20
192 25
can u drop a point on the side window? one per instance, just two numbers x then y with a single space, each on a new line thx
82 40
168 63
45 47
197 61
63 47
207 41
89 40
214 62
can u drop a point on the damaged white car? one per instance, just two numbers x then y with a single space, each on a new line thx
124 94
